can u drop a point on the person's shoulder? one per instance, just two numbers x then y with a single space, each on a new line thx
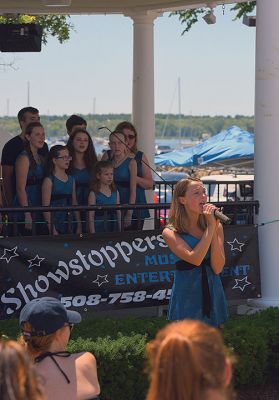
11 150
44 150
86 359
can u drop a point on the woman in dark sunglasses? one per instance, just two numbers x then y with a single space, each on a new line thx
144 175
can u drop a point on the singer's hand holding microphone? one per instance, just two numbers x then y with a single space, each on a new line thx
217 214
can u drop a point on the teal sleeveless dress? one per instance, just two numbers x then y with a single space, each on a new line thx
108 222
61 195
186 300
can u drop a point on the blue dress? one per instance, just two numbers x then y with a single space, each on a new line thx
61 195
186 297
111 224
82 179
33 190
140 193
121 177
33 183
141 198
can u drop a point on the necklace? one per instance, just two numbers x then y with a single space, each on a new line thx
116 163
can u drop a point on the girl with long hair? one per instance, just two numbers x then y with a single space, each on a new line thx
29 173
125 174
188 361
103 192
196 239
144 174
18 380
59 189
84 158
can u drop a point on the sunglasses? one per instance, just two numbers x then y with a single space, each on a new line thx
64 158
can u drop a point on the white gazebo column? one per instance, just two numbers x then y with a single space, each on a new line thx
143 81
143 114
267 147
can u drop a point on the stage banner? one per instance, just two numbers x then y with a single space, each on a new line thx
111 271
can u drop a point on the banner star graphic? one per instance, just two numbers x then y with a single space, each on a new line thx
9 254
236 245
241 283
101 279
35 262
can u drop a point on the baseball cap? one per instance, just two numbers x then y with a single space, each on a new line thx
47 315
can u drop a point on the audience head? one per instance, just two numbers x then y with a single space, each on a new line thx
81 142
75 121
188 361
118 143
17 377
182 199
130 133
103 173
58 154
27 115
44 320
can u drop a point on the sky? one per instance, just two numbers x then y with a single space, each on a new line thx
92 72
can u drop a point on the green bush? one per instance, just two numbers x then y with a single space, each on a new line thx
119 347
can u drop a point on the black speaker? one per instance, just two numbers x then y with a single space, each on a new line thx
20 37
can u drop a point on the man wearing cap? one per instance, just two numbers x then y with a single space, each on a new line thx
46 327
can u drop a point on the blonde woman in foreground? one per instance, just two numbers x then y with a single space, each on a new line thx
188 361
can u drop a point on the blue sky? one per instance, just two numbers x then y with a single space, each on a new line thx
216 65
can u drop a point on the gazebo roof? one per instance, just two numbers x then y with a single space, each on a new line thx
101 6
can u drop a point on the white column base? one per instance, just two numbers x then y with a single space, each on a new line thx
256 305
263 303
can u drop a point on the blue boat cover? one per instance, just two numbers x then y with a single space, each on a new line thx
231 145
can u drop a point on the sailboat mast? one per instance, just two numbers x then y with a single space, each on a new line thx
179 110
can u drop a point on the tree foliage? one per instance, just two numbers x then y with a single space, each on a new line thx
190 17
58 26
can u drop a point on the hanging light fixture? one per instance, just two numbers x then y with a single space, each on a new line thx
56 3
210 17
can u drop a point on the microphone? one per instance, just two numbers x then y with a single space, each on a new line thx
222 217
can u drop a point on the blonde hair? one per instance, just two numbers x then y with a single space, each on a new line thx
178 218
35 345
187 358
18 380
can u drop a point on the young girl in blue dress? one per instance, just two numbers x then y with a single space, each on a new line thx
125 174
82 151
196 239
59 189
103 192
84 158
29 173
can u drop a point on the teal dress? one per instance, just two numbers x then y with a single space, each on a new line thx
122 175
82 179
108 222
33 190
61 195
187 296
141 197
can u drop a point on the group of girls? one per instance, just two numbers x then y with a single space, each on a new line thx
72 175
